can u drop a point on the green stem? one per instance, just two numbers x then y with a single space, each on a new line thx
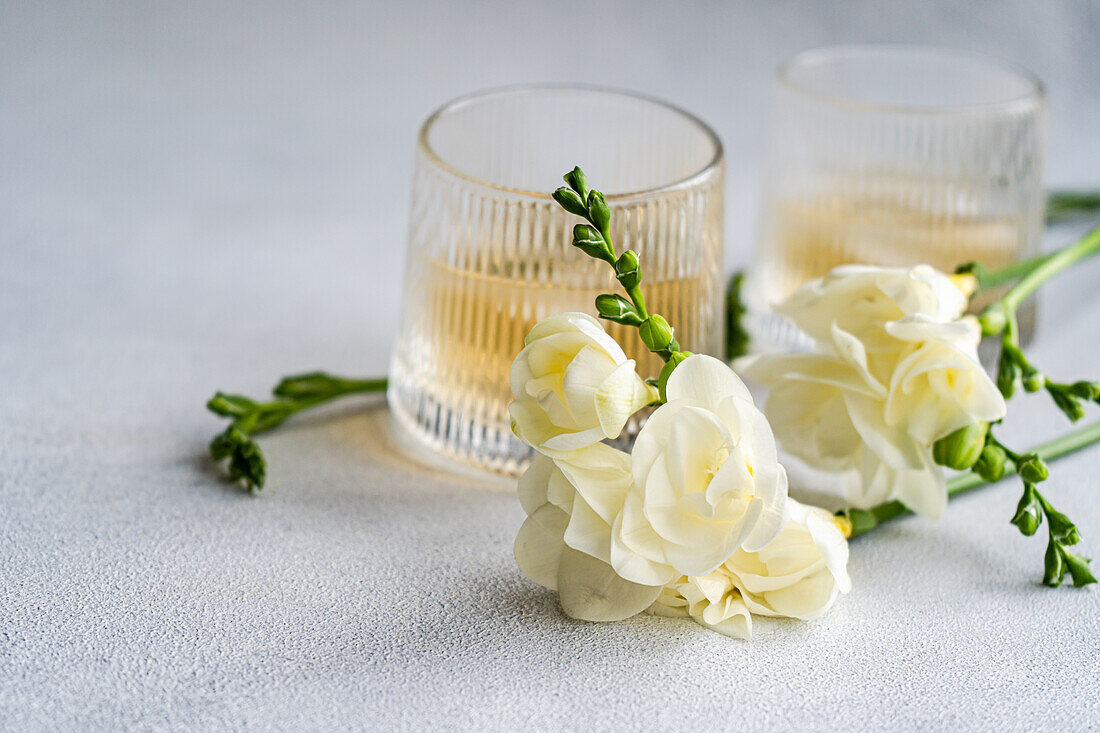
989 279
1064 205
1051 266
864 520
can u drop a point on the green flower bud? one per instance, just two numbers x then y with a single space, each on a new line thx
961 449
626 269
1028 512
1032 468
860 519
1034 381
590 241
1086 390
1068 403
1008 372
230 405
618 309
991 463
1054 569
1078 568
993 320
598 211
666 370
578 182
656 333
570 201
1061 527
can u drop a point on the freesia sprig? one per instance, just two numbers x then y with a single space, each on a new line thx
1062 532
976 448
250 417
594 239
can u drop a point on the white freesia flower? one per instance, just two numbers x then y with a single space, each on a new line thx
706 480
895 369
573 385
565 542
861 299
799 574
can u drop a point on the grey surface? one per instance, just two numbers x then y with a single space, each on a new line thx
196 196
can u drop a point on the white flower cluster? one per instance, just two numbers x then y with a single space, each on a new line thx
894 369
694 521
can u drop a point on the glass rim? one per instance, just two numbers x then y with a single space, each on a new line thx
1035 96
713 163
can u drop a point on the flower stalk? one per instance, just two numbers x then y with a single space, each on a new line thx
1033 505
250 417
594 239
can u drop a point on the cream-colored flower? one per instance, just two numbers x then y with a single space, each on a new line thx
706 480
573 385
799 574
894 369
565 542
861 299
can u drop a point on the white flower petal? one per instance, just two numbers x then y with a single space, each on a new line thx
590 590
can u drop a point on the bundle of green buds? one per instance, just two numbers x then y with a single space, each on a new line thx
594 239
975 448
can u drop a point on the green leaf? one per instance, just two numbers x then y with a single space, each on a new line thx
570 201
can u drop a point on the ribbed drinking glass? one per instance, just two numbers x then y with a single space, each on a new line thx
489 252
895 155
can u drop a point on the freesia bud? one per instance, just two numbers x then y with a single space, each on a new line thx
230 405
666 370
1068 403
590 241
1062 528
626 269
598 211
991 464
1034 381
656 333
570 201
961 449
993 320
1055 570
618 309
578 182
1032 468
1008 372
1028 513
1078 567
1086 390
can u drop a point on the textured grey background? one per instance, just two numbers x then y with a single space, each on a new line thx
203 195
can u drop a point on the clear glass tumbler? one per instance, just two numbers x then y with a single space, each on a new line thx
489 252
895 155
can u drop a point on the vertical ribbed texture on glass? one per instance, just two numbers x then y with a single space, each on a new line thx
487 261
895 156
